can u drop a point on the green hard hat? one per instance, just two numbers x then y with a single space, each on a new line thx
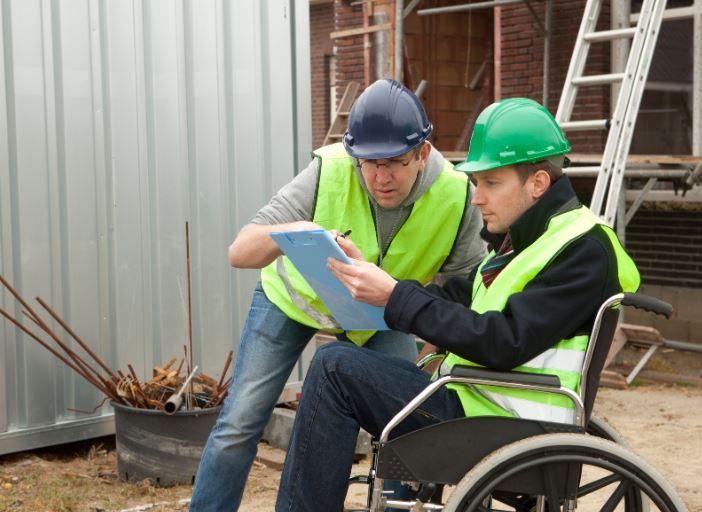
513 131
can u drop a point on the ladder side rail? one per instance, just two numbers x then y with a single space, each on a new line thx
338 125
629 122
577 62
620 111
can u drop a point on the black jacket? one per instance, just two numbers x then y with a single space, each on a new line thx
557 304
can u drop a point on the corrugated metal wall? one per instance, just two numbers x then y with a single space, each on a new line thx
119 122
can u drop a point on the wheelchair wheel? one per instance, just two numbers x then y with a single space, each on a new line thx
612 478
600 428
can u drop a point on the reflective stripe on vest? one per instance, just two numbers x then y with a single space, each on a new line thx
565 359
417 251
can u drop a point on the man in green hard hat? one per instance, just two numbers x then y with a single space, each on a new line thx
528 307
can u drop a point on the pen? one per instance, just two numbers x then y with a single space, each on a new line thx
345 233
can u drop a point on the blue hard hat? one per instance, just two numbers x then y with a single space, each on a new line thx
387 120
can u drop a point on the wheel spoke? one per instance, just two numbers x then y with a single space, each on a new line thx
597 485
616 497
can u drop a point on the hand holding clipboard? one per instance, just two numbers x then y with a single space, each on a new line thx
309 252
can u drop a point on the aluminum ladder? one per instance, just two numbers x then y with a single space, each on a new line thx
610 175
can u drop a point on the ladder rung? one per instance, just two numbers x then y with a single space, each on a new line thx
343 113
335 136
598 79
591 124
609 35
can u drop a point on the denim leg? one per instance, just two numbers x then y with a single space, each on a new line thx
347 387
395 343
405 346
270 346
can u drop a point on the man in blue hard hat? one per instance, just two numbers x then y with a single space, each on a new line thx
409 213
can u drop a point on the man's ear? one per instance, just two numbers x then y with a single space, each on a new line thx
424 153
541 183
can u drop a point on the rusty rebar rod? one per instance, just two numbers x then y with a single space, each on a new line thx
190 310
33 316
76 337
226 367
18 297
137 382
68 363
71 353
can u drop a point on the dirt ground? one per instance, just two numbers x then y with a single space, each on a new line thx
661 422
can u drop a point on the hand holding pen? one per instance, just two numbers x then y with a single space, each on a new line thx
347 245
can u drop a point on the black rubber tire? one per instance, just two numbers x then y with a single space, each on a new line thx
622 465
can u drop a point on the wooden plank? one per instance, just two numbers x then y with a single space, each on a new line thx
642 334
610 379
360 31
454 156
618 342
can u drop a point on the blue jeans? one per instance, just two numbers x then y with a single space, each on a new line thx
347 388
270 345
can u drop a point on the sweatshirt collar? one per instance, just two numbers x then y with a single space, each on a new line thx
559 198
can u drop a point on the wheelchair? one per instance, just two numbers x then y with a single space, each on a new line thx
522 465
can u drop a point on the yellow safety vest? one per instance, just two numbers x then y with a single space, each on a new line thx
565 359
417 251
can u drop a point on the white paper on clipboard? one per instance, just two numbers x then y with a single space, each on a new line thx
308 251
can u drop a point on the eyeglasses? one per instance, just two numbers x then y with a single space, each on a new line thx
392 164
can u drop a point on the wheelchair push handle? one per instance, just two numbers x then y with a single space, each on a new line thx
648 303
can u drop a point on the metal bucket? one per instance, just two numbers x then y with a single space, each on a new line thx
165 449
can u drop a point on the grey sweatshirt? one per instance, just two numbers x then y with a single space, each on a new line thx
295 202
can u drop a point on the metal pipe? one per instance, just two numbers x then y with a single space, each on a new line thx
175 401
547 51
419 91
410 7
695 176
466 7
399 22
639 200
682 345
593 171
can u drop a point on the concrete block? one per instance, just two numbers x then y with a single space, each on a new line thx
279 429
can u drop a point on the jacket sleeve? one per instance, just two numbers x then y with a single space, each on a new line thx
557 304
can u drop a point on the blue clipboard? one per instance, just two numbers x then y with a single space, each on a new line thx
308 251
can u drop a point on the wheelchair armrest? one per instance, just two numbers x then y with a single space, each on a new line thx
475 372
429 358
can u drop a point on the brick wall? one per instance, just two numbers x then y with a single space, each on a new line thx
349 50
522 63
522 60
321 49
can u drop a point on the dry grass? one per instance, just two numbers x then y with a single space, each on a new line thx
76 478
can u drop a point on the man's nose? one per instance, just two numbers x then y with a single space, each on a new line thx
383 174
477 197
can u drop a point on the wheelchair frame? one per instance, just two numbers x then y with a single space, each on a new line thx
559 450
